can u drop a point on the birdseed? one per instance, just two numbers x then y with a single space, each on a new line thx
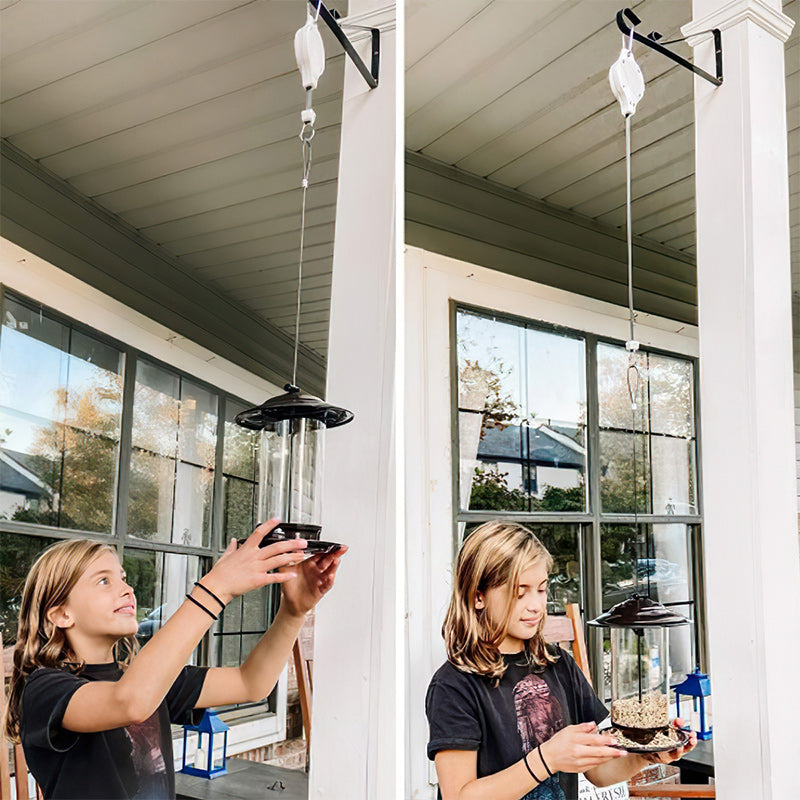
651 712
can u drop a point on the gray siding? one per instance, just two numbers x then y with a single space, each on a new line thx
46 216
459 215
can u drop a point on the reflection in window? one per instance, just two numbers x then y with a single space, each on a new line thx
243 622
17 554
239 460
521 416
664 443
172 458
60 416
664 573
160 582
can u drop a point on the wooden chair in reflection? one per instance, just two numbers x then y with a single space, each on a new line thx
568 630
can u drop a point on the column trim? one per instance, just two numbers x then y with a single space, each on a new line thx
769 19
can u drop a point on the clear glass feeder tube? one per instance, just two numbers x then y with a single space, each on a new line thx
640 678
290 470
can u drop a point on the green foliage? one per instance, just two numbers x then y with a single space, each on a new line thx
491 492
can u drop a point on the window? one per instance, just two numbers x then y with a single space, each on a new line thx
611 494
97 438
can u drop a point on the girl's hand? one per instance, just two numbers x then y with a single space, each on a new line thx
314 579
240 569
577 748
673 755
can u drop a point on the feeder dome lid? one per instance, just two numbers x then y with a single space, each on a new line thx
638 611
295 404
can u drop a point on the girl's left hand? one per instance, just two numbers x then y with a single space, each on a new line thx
673 755
314 580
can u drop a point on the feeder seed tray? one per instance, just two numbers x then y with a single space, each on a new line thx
661 743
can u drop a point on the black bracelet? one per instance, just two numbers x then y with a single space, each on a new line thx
525 759
544 763
208 591
200 605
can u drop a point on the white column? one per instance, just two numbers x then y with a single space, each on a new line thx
354 737
752 565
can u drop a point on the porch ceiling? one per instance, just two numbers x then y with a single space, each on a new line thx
517 93
182 119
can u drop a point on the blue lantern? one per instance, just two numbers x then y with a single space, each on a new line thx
697 686
205 765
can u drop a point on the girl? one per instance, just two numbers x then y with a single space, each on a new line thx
93 719
510 716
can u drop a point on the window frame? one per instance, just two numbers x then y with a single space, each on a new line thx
210 646
589 522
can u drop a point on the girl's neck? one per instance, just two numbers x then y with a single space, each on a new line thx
94 651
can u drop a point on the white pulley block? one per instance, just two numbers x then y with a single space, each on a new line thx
309 51
627 82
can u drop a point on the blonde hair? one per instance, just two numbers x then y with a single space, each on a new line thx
494 555
40 643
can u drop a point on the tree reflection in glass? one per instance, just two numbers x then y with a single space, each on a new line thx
522 416
60 417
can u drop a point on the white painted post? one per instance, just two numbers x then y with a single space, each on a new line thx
752 565
354 720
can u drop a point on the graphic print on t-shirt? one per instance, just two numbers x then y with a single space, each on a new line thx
539 716
148 760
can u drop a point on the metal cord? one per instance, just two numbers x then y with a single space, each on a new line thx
306 135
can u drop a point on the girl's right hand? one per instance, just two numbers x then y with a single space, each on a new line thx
577 748
240 569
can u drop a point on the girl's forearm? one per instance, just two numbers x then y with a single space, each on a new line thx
509 784
262 668
155 668
616 771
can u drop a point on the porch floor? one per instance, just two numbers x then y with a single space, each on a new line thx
246 780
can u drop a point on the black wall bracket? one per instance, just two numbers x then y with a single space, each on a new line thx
652 40
330 18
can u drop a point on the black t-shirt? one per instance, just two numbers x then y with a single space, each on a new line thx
123 763
505 721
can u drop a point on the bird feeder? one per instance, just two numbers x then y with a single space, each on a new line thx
698 687
292 428
207 763
640 674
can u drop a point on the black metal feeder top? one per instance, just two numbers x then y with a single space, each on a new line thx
295 404
638 611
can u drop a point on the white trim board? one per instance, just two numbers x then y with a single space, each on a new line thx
432 281
36 278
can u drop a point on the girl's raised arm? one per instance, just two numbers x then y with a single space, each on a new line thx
104 705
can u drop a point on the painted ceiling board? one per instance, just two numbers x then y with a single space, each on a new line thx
100 41
325 169
182 119
554 112
433 21
29 24
228 169
489 39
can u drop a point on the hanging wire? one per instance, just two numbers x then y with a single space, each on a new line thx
632 376
306 135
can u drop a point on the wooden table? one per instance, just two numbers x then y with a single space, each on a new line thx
698 766
245 780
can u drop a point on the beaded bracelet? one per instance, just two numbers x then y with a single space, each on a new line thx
200 605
